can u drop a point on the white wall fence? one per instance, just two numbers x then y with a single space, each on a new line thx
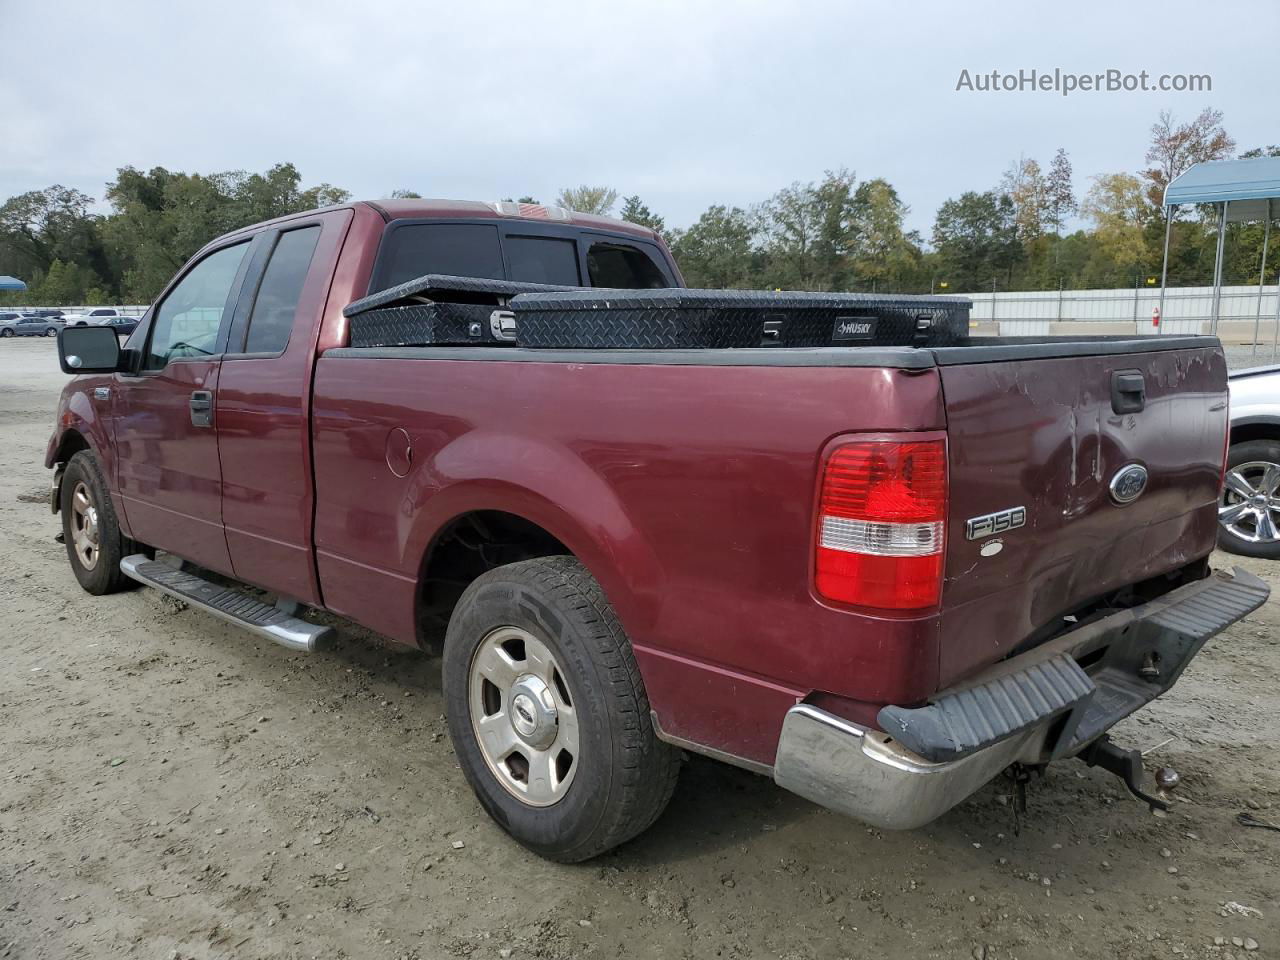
1186 310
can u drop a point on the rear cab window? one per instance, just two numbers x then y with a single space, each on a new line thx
517 250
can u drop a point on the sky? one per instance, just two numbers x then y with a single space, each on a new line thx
685 103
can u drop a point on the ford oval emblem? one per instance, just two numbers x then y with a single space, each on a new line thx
1128 483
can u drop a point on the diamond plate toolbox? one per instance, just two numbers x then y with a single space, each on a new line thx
683 319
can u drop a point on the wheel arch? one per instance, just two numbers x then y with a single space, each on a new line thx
569 511
1254 428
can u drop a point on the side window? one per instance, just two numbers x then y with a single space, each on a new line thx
624 266
271 321
186 324
542 260
457 249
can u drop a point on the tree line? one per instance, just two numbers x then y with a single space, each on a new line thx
837 233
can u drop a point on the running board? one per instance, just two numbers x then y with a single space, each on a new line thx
229 604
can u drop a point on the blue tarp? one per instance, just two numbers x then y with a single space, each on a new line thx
11 283
1249 185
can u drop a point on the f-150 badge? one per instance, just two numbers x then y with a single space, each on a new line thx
1002 521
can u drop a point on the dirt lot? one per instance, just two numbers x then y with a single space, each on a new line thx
173 788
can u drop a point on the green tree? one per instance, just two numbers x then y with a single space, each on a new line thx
404 195
885 255
41 226
1025 186
811 233
161 218
976 240
1118 208
635 211
718 250
1060 193
597 200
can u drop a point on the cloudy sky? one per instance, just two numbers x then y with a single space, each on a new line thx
685 103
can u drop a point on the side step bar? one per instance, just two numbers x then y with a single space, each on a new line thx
231 605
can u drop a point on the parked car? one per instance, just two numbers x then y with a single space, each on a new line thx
122 325
878 574
9 316
1249 513
31 326
94 316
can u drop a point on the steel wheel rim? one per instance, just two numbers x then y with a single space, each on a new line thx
1250 504
84 526
523 717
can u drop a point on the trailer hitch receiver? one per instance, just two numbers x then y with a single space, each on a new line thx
1125 764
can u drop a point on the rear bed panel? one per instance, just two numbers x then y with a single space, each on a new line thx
1041 434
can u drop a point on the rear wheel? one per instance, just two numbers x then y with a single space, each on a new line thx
1249 511
95 545
547 712
51 332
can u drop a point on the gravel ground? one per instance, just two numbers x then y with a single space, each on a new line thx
171 787
1241 358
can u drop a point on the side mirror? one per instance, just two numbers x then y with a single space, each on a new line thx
88 350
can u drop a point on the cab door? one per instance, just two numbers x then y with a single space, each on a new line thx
264 405
168 473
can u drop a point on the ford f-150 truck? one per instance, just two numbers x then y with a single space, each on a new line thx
880 575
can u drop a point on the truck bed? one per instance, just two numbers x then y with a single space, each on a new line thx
684 480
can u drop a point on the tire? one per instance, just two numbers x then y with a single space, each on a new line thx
6 332
102 574
620 776
51 332
1253 468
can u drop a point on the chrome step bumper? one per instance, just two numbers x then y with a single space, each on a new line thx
231 605
1034 708
867 775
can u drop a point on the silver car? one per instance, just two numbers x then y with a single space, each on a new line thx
31 326
1249 514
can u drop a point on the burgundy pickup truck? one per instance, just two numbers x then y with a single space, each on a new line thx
879 574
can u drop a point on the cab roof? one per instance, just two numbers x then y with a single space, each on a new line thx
415 208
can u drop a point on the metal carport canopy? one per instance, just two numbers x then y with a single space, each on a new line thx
1248 185
1243 191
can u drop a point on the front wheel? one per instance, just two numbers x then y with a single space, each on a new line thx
51 332
1249 511
548 714
95 545
6 332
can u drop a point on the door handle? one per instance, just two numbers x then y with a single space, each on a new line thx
201 404
1128 391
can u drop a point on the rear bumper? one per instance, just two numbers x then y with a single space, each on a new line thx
1048 703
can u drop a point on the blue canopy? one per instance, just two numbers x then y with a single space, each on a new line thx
11 283
1248 185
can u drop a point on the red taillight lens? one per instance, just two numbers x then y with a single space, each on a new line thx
881 516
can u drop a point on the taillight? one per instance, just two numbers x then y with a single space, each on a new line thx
881 517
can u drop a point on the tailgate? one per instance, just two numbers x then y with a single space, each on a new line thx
1042 432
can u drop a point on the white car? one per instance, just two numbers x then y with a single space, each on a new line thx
94 317
1249 514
